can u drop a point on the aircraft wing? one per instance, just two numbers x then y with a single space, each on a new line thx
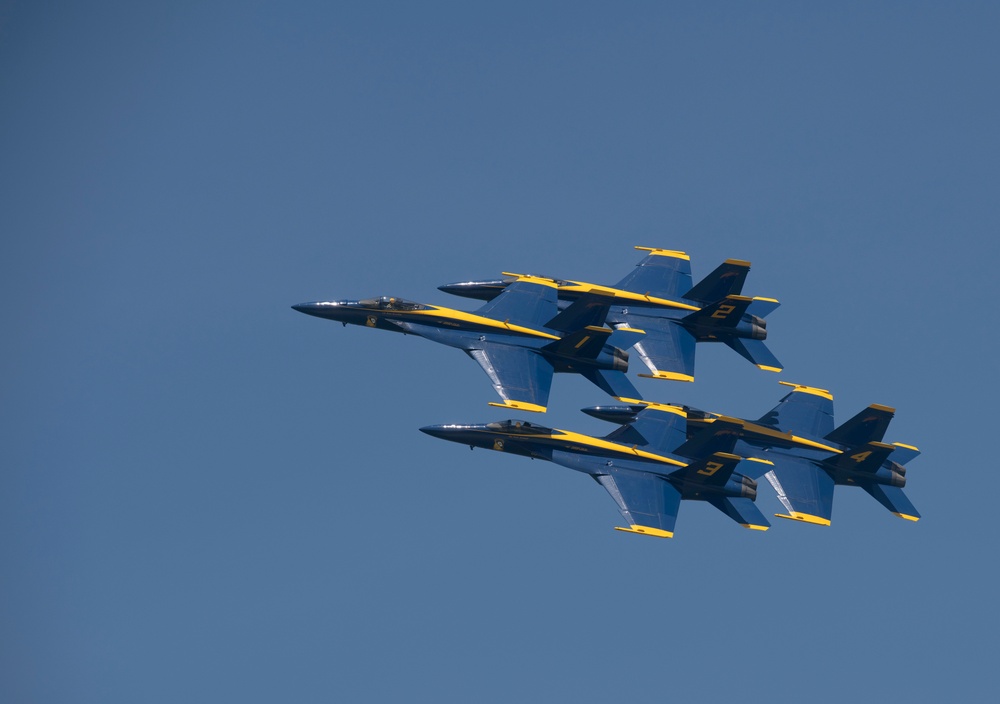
520 376
663 274
804 489
523 303
648 502
667 349
805 411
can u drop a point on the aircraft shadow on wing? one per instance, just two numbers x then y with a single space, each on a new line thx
647 465
520 338
658 297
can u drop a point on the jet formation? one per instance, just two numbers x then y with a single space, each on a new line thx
531 327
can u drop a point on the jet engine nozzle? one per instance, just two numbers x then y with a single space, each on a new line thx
620 362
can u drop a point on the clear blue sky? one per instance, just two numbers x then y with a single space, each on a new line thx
206 496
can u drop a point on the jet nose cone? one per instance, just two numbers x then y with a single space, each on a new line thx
314 308
437 431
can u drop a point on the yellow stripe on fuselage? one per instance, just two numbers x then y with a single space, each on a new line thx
624 450
777 434
462 316
604 291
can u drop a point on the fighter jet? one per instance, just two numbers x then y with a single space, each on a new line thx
658 298
644 464
808 456
519 338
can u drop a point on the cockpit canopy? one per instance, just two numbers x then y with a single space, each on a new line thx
519 427
390 303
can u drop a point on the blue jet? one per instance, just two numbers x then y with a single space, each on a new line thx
519 338
648 466
808 455
658 297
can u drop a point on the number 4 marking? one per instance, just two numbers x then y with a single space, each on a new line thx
861 456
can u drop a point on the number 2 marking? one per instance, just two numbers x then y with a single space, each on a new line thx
724 310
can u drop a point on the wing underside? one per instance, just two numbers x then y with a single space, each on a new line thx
523 303
805 411
521 377
667 349
804 489
646 501
662 273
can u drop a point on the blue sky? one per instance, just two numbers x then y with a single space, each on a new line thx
206 496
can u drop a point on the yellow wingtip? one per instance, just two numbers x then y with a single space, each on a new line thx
670 376
677 254
808 390
804 518
646 530
520 406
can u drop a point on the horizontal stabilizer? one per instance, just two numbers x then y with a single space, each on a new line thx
866 458
755 351
893 499
585 311
613 383
742 510
904 453
762 307
624 337
867 426
727 279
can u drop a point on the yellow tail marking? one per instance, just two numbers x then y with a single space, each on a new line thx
753 527
769 369
908 517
